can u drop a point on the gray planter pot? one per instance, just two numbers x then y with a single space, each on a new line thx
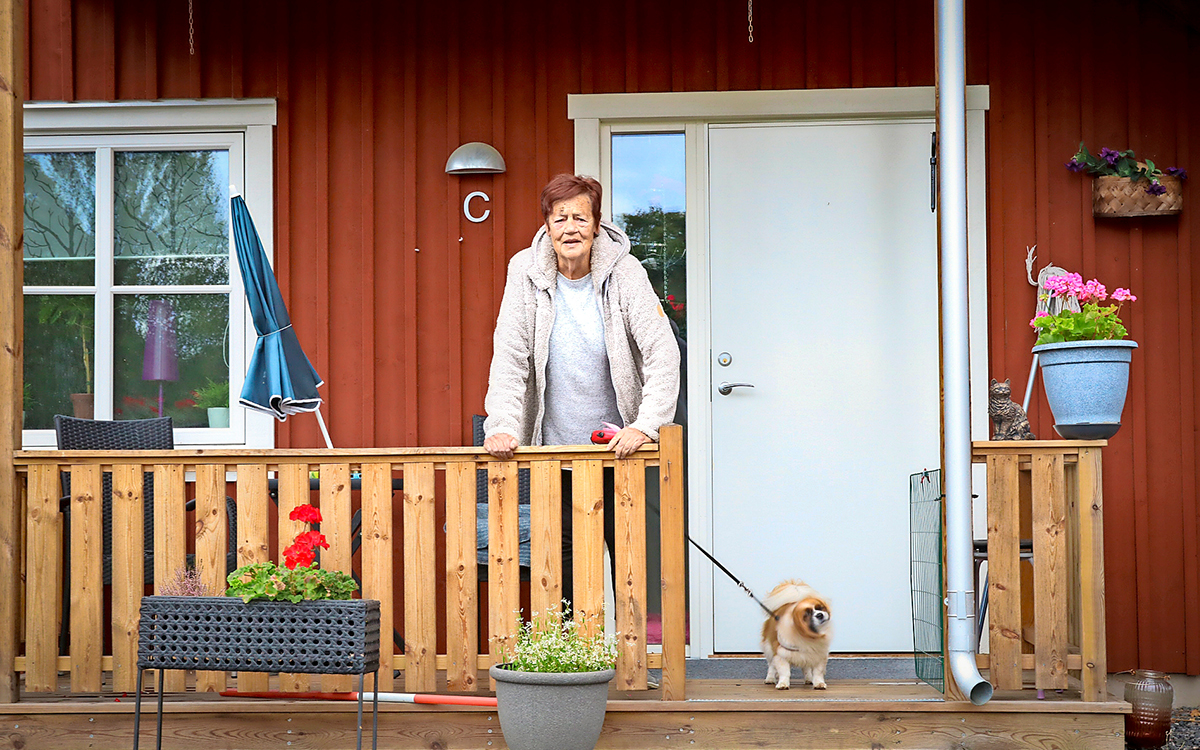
551 710
1085 383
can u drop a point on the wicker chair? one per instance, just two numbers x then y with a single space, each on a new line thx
133 434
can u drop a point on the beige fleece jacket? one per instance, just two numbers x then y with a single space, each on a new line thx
642 353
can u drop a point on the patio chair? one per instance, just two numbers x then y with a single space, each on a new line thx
134 434
481 511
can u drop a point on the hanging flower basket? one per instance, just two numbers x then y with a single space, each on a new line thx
1123 197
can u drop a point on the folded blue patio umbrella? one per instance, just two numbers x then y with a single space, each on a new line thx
280 380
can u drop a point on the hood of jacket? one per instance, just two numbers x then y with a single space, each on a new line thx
609 246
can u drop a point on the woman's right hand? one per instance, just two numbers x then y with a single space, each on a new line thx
501 445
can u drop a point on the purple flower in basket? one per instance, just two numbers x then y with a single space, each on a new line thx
1076 166
1179 172
1156 189
1110 156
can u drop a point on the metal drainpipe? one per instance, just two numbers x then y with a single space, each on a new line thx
952 218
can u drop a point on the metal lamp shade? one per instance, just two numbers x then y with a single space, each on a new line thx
475 158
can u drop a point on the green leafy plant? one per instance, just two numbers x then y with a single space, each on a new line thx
212 395
297 579
553 642
78 314
1123 164
1093 322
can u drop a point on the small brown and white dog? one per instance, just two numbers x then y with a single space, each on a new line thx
797 635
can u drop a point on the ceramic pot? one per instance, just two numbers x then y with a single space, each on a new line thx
551 710
218 416
84 405
1085 383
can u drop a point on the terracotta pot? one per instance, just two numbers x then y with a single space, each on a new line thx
84 405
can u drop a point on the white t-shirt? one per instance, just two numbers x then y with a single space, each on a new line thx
579 389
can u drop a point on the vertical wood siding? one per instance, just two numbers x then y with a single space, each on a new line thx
394 294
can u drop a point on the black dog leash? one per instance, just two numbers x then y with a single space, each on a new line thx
717 562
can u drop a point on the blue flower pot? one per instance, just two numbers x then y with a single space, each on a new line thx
1085 384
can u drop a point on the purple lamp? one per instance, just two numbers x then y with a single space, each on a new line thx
160 361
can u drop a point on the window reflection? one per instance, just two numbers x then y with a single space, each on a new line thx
60 357
649 203
60 219
176 341
171 217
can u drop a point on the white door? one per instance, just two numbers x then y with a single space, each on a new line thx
824 296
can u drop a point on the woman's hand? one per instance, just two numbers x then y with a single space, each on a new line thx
627 441
501 445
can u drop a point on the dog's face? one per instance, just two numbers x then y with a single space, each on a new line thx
811 617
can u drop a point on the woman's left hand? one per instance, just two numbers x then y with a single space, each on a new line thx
626 441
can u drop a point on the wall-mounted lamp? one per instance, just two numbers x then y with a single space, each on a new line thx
475 158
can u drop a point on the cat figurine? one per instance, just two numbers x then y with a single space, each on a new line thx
1008 416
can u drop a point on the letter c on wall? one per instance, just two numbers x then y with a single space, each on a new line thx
467 206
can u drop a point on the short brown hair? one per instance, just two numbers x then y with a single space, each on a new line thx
567 186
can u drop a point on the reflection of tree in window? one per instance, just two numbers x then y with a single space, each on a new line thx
172 215
60 217
657 237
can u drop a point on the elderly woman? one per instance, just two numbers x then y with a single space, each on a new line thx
581 339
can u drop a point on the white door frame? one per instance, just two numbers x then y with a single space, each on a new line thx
598 116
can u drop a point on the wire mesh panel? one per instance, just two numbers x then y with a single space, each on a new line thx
925 549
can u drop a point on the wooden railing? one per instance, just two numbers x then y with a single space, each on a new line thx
1046 614
435 481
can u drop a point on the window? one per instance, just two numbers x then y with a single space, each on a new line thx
133 302
648 202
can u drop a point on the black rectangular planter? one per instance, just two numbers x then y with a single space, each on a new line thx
221 633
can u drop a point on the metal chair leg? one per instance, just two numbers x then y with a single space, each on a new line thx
137 710
361 677
375 713
158 742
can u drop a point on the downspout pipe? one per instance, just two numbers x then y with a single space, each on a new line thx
956 367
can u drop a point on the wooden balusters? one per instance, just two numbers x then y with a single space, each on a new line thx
420 548
1054 487
377 560
87 547
335 525
545 536
170 543
212 544
293 491
674 555
630 580
420 579
504 573
128 571
252 542
462 578
587 488
43 534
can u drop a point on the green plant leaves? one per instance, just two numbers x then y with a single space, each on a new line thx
1092 323
266 580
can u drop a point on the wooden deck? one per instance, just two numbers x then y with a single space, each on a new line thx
720 714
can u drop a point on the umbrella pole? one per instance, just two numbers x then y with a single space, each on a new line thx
324 431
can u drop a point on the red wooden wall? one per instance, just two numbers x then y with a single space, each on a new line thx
397 311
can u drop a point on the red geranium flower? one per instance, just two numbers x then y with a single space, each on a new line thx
306 513
312 539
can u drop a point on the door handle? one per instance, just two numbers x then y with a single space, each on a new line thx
725 388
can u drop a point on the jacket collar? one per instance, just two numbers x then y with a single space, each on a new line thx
610 246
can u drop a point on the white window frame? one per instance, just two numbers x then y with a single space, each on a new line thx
245 129
598 117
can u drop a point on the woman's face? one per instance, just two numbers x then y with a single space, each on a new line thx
572 229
